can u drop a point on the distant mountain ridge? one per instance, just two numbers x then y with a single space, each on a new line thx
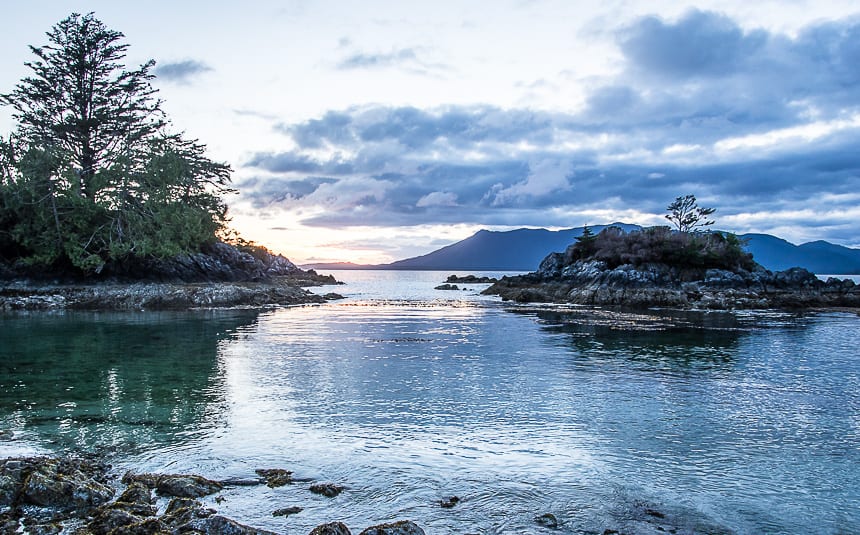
523 249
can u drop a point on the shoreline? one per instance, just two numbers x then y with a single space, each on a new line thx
593 283
83 493
22 295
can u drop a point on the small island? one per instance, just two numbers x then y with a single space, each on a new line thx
662 267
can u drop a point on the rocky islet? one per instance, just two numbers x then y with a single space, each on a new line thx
591 282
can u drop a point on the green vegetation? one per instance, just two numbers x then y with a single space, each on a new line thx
662 245
91 175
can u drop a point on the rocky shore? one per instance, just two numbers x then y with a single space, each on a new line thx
50 495
593 282
84 495
219 276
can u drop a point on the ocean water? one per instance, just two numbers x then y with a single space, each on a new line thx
645 422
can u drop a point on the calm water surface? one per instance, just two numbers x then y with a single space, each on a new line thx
718 422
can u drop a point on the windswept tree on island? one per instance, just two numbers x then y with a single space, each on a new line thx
91 174
687 215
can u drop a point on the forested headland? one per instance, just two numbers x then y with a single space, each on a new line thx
94 182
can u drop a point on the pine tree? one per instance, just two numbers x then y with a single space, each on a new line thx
91 174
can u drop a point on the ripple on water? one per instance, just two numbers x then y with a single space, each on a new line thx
694 421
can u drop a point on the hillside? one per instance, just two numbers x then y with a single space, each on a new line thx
818 256
523 250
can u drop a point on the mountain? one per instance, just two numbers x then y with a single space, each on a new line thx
487 250
325 266
523 250
513 250
822 257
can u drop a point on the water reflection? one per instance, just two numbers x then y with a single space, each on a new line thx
113 380
665 341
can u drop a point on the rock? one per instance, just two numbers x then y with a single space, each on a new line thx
178 485
8 522
49 528
182 511
448 503
470 279
108 520
402 527
332 528
593 282
9 489
275 477
447 287
654 513
147 526
287 511
220 525
65 484
137 493
329 490
547 520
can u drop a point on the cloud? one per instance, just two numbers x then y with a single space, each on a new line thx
181 72
547 177
406 59
699 44
437 198
751 122
388 59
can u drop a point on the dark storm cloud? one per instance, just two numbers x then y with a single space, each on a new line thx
181 72
681 117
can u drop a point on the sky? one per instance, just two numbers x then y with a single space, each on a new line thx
374 131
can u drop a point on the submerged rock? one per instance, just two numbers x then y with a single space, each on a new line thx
287 511
547 520
402 527
275 477
332 528
448 503
329 490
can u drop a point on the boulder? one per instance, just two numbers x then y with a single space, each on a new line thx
64 484
329 490
332 528
221 525
402 527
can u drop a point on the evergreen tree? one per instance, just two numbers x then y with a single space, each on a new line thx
91 175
